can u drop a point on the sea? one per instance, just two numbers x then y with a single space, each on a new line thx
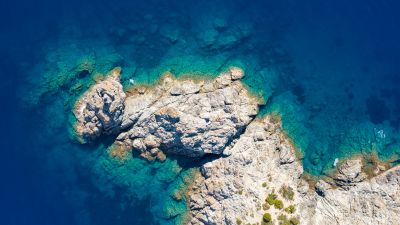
330 69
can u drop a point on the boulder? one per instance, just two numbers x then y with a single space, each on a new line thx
350 172
100 109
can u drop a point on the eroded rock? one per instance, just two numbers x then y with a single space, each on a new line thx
374 201
178 116
100 109
188 117
236 186
350 172
322 187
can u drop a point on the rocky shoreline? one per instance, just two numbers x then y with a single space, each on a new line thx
238 189
257 178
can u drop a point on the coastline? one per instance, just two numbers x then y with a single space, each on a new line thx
284 156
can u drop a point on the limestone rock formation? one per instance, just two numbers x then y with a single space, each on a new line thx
350 172
187 117
234 188
375 201
321 187
100 109
258 171
237 189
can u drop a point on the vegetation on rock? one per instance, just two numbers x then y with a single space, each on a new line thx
278 204
287 192
267 217
290 209
271 198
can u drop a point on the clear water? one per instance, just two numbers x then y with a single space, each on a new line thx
329 68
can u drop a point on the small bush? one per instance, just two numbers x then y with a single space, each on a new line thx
290 209
282 217
287 192
238 221
267 217
278 204
283 220
271 198
264 184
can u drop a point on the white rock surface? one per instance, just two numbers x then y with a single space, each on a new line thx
350 172
231 188
375 201
100 109
187 117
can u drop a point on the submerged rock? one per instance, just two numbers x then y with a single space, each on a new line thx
100 109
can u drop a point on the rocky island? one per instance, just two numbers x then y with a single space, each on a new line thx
256 176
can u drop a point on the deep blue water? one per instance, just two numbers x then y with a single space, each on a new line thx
330 68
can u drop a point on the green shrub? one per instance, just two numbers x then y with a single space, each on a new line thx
290 209
282 217
278 204
238 221
283 220
287 192
271 198
264 184
267 217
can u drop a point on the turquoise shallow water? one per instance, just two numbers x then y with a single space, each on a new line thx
330 69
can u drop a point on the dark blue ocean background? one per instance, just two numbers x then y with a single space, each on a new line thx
331 69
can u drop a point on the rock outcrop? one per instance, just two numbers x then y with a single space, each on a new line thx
234 188
375 201
350 173
257 179
100 109
178 116
238 189
187 117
